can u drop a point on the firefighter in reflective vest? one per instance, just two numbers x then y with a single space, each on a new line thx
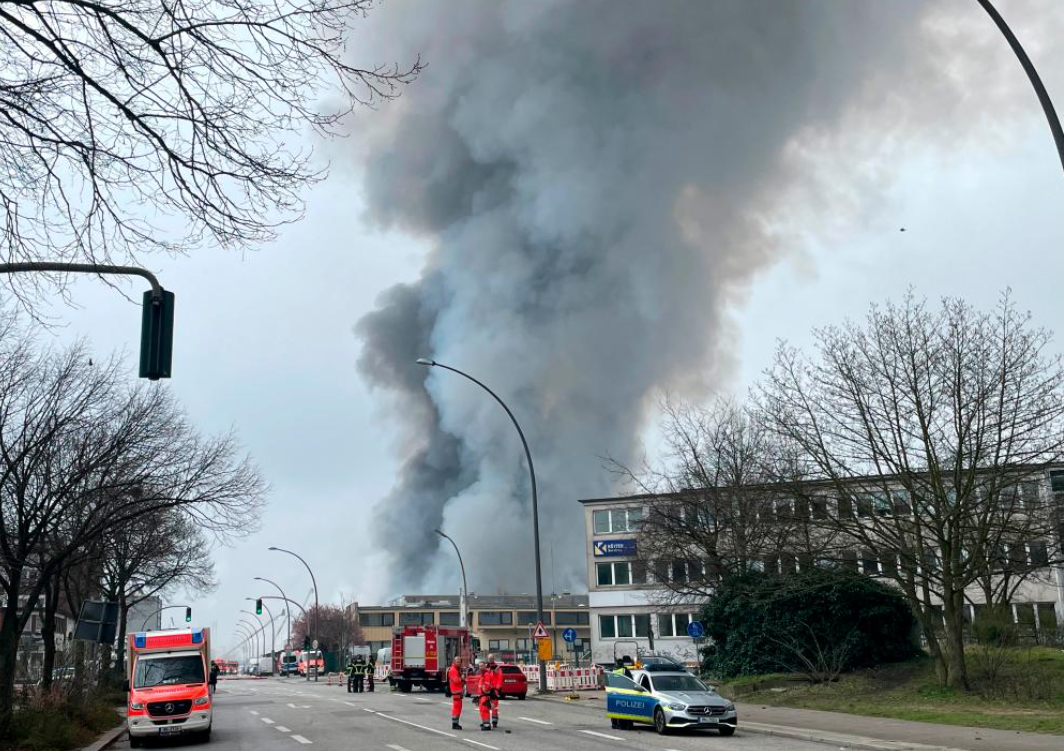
371 668
350 676
456 685
484 692
496 689
360 675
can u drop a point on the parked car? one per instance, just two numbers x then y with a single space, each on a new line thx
659 663
668 701
514 683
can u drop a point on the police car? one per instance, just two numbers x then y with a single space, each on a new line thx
667 700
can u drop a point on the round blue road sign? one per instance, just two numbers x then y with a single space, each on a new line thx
696 630
569 634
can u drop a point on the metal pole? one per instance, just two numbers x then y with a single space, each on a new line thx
535 501
156 612
317 610
273 640
262 627
254 633
1032 75
463 604
288 610
86 268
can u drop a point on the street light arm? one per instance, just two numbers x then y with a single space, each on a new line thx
86 268
156 612
465 586
288 610
1032 75
317 613
289 602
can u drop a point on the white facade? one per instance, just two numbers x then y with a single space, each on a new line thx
627 617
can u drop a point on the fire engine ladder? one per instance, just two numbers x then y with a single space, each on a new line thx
398 653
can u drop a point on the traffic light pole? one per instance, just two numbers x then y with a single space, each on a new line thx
157 323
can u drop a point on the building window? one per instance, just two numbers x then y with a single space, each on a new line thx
820 507
525 645
617 520
1039 553
416 619
903 504
1047 618
607 627
496 645
1056 480
376 619
869 563
673 624
620 573
495 618
574 619
528 618
450 619
624 626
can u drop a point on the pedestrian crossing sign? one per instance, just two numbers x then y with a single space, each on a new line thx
540 632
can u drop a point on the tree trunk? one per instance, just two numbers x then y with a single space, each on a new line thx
78 689
120 646
9 656
953 615
51 604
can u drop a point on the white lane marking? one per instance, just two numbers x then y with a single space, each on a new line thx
394 747
352 704
538 722
267 720
282 729
253 711
411 724
478 743
301 739
602 735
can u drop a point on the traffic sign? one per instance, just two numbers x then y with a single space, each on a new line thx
546 650
569 634
540 632
696 630
314 644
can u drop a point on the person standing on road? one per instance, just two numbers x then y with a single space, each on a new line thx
484 694
360 675
214 677
456 685
496 689
370 669
622 668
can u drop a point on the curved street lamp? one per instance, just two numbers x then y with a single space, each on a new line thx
288 610
165 607
314 581
535 498
273 630
465 587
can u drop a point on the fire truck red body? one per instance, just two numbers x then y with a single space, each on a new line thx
422 654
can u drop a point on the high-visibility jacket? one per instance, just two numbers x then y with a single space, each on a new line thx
455 680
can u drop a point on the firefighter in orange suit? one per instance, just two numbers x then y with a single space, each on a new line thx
496 689
487 690
456 684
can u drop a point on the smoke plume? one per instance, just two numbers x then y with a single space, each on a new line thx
599 180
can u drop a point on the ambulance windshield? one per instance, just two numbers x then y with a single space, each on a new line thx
168 671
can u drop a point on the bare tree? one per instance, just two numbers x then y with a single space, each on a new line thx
337 627
118 113
921 424
714 504
81 454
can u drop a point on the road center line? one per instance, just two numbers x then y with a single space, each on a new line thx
538 722
253 711
413 724
301 739
267 720
394 747
282 728
478 743
602 735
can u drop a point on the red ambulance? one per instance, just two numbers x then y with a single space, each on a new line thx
167 681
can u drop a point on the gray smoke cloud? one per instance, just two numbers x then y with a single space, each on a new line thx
598 181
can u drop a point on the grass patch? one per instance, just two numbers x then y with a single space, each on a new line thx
54 722
1028 697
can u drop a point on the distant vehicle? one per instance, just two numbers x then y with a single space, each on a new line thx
166 681
288 663
308 660
660 663
668 701
60 675
421 655
263 666
514 683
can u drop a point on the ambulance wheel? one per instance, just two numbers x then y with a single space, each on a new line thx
614 724
660 724
521 697
135 742
726 730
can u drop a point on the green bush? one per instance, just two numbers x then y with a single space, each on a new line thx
53 721
818 623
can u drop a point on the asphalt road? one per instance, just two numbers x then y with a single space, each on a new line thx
285 714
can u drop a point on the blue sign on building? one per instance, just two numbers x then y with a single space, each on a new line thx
614 547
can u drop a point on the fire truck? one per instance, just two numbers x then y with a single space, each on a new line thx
167 682
422 654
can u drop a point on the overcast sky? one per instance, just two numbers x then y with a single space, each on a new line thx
266 343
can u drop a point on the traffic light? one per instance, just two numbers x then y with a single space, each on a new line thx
156 335
258 606
306 643
188 615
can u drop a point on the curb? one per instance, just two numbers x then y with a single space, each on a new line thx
108 738
839 740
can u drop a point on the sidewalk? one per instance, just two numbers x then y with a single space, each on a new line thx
859 731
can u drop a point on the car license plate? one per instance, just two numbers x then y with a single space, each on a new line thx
705 720
169 730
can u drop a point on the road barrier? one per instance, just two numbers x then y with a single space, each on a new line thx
565 677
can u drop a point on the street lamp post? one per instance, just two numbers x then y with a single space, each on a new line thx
261 631
317 610
254 634
159 610
288 610
273 631
248 634
465 587
535 499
